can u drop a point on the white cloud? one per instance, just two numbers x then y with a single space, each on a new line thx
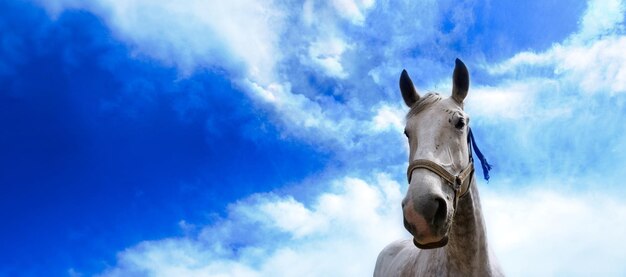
388 117
288 238
526 99
326 53
302 118
510 101
591 59
353 10
602 17
595 67
240 36
542 112
542 232
268 48
272 235
248 39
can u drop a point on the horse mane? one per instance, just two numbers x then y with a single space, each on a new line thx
424 101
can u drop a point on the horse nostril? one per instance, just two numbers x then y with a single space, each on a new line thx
441 212
434 210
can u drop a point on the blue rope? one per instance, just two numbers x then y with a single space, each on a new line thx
483 161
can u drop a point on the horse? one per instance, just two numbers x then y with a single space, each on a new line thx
441 208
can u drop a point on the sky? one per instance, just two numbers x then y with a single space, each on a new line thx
264 138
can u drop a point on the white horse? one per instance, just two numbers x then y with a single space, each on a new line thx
442 207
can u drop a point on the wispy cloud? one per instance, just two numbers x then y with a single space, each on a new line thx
341 231
588 61
558 232
338 234
239 36
268 49
547 103
353 10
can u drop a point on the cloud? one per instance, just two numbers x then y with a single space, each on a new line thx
341 232
545 108
549 105
353 10
593 67
590 60
240 36
388 117
557 232
298 62
602 17
282 236
326 54
509 100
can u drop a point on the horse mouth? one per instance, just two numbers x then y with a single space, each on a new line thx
441 243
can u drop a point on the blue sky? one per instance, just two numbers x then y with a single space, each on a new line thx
264 138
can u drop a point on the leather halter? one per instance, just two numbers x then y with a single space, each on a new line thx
460 183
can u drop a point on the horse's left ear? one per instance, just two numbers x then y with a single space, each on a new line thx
460 81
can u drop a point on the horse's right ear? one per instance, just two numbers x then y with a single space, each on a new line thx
409 94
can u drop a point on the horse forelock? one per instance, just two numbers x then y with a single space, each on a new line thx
421 104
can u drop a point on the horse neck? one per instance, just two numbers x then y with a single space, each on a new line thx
467 248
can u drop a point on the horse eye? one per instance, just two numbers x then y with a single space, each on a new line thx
460 124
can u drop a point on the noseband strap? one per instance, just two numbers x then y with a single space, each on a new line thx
459 183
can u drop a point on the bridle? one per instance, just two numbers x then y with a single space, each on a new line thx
460 183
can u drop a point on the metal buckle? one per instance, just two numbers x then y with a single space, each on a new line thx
458 183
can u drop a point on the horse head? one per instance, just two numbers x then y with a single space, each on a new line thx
440 165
